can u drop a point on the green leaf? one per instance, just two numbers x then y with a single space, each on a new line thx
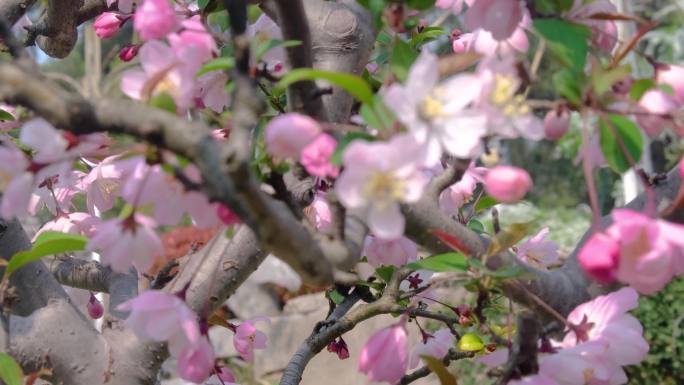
421 5
442 262
426 35
476 226
402 58
269 44
570 85
335 296
47 243
508 237
568 41
6 116
10 371
639 88
163 101
336 157
437 367
470 342
353 84
604 80
377 115
552 7
219 64
385 272
376 7
630 135
484 203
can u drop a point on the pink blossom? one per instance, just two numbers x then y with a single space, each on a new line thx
263 30
196 361
95 308
385 355
651 250
538 251
507 111
74 223
162 71
499 17
394 252
247 338
108 24
456 6
319 213
484 43
6 125
436 346
673 76
600 258
193 44
436 114
507 184
154 19
556 123
102 184
211 90
655 103
681 169
16 182
377 177
605 319
315 157
537 379
288 134
159 316
459 193
47 141
127 242
226 215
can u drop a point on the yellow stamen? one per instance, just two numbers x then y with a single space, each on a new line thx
384 186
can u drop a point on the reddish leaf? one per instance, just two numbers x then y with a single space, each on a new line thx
451 241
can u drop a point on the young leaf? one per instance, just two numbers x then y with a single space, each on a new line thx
570 85
10 371
451 241
163 101
421 5
218 64
508 237
442 263
47 243
438 368
336 157
377 115
6 116
335 296
566 40
613 130
426 35
639 88
385 272
484 203
470 342
402 58
353 84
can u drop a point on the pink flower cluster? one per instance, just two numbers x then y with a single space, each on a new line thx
643 252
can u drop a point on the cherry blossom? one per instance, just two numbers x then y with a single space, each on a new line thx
196 361
264 29
437 346
600 258
499 17
378 176
128 242
223 377
288 134
394 252
108 24
655 103
319 213
456 6
154 19
6 125
436 113
538 251
458 194
247 338
315 157
385 356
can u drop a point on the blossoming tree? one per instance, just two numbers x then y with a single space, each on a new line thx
327 133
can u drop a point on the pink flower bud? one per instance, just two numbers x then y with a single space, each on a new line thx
600 258
95 308
154 19
226 375
507 184
108 24
315 157
226 216
556 123
655 104
385 355
681 169
196 361
129 52
288 134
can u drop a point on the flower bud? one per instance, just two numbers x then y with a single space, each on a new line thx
226 215
129 52
154 19
556 123
288 134
507 184
600 258
95 308
108 24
